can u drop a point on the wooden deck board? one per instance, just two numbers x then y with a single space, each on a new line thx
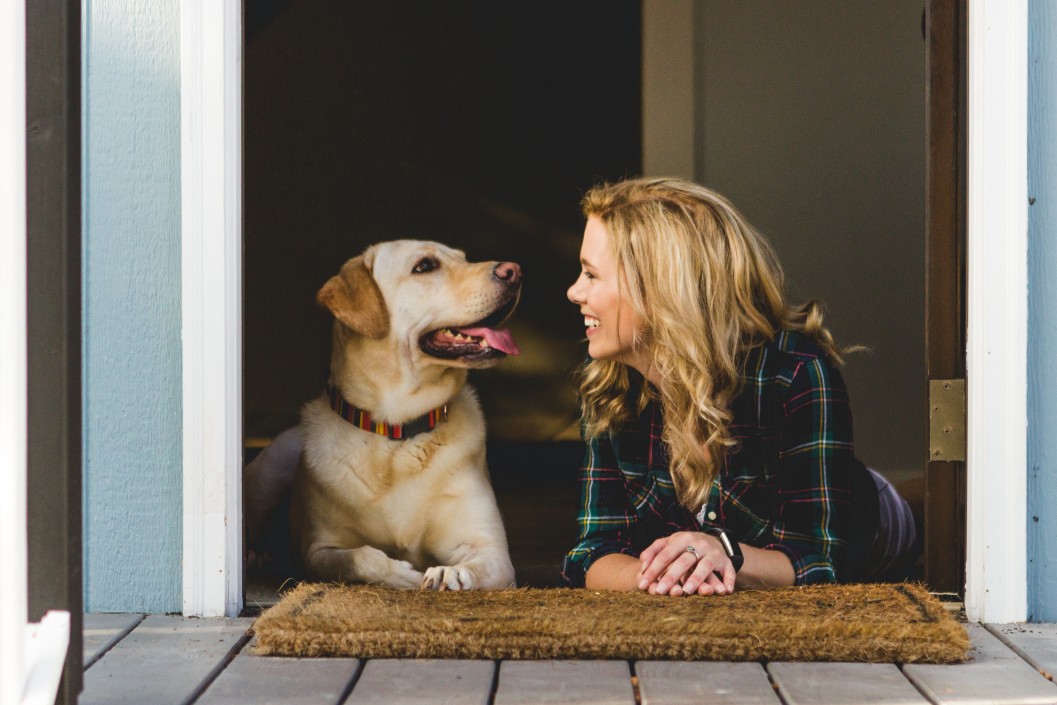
995 675
163 661
693 682
827 683
269 680
423 682
565 683
1035 643
102 630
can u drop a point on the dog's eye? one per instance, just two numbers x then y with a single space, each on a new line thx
426 264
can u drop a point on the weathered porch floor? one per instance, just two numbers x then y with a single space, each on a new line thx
157 660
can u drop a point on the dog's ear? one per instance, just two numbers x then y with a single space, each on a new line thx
355 299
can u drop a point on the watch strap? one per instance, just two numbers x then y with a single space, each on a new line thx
730 547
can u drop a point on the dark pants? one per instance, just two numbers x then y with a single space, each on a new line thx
893 546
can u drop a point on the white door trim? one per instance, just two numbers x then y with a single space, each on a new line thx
211 297
13 364
997 303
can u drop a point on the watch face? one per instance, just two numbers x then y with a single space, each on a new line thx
723 539
732 549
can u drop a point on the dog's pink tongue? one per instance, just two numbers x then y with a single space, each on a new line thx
499 339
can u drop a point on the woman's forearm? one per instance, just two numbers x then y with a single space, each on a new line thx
764 569
614 571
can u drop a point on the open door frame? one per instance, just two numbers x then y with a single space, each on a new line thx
211 298
945 259
996 208
976 309
995 304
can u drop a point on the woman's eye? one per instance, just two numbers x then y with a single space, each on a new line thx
588 275
426 264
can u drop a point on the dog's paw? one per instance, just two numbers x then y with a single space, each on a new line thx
446 577
404 576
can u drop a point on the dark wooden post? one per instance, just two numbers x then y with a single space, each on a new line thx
53 108
945 44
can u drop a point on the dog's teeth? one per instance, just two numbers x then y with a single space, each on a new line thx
461 337
484 343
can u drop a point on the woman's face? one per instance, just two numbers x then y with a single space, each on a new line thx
609 319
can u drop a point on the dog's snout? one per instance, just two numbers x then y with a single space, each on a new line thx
508 272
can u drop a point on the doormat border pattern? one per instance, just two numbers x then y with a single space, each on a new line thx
881 623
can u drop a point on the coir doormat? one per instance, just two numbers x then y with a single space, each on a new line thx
876 623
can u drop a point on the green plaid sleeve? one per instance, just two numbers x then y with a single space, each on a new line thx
605 517
815 454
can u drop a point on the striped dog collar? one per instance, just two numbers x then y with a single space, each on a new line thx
393 431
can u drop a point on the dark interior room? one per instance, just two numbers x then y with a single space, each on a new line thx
478 125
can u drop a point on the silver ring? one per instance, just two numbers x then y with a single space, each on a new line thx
691 550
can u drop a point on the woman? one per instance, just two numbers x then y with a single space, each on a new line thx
719 436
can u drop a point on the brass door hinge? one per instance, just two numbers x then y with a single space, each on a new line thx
947 419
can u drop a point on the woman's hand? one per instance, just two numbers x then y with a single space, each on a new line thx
669 567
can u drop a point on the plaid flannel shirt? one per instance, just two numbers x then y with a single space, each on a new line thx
784 487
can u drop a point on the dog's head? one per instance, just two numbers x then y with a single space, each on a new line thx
426 297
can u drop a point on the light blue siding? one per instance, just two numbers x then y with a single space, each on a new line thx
132 393
1042 311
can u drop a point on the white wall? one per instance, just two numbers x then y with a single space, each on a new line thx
811 118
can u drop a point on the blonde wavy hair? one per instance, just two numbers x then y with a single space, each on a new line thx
708 288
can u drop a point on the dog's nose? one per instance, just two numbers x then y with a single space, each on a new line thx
508 272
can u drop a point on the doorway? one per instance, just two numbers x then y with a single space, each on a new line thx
480 124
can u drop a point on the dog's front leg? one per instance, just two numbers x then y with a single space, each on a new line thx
473 566
365 564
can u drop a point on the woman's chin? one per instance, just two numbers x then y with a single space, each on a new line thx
595 352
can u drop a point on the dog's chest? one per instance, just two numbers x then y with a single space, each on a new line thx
365 488
364 468
378 491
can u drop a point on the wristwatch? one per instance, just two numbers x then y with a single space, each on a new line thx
731 548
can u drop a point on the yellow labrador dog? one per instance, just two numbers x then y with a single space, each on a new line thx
391 485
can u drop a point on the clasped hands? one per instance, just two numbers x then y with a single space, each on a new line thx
685 563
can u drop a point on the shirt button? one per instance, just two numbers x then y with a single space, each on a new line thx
711 516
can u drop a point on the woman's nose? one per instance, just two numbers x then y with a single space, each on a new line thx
574 292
